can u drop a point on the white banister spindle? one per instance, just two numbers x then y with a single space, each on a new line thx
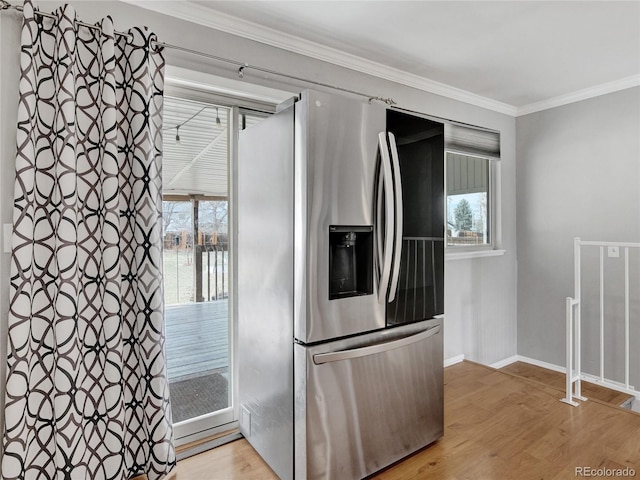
577 295
569 313
626 317
576 269
602 313
573 334
569 380
573 354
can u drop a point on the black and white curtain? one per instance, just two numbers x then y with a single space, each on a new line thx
87 395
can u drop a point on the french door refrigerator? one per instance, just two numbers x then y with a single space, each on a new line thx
340 286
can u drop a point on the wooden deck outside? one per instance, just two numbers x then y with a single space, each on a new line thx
197 339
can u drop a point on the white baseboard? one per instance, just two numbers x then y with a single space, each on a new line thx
540 363
585 377
505 362
532 361
519 358
453 360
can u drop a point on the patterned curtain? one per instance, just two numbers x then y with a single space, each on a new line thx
87 395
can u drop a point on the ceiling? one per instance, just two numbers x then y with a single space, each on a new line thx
197 163
514 55
195 150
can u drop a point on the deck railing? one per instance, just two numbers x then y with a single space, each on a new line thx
199 275
216 259
574 374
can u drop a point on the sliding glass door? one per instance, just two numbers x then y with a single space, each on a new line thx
197 264
198 150
196 269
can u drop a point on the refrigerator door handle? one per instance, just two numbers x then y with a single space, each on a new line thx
321 358
379 221
397 249
387 252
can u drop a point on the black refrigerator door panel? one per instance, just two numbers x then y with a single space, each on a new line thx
420 290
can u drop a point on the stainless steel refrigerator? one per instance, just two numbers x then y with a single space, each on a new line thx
340 286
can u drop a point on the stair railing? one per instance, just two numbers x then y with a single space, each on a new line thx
574 375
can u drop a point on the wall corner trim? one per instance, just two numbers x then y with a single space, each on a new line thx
453 360
503 363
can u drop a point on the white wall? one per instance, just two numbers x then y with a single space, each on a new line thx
480 300
578 176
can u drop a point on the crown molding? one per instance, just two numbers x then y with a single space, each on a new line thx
198 14
579 95
201 15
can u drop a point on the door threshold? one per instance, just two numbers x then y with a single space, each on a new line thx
204 444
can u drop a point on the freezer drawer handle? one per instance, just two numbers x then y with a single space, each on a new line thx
321 358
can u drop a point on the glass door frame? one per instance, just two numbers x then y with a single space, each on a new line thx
226 419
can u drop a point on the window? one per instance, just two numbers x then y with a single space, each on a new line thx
472 163
468 200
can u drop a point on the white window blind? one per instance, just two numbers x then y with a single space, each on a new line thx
470 140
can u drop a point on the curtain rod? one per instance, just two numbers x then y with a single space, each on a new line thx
4 5
242 67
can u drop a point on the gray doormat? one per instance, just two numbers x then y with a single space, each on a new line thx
198 396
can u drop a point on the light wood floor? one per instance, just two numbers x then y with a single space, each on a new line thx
497 426
557 380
